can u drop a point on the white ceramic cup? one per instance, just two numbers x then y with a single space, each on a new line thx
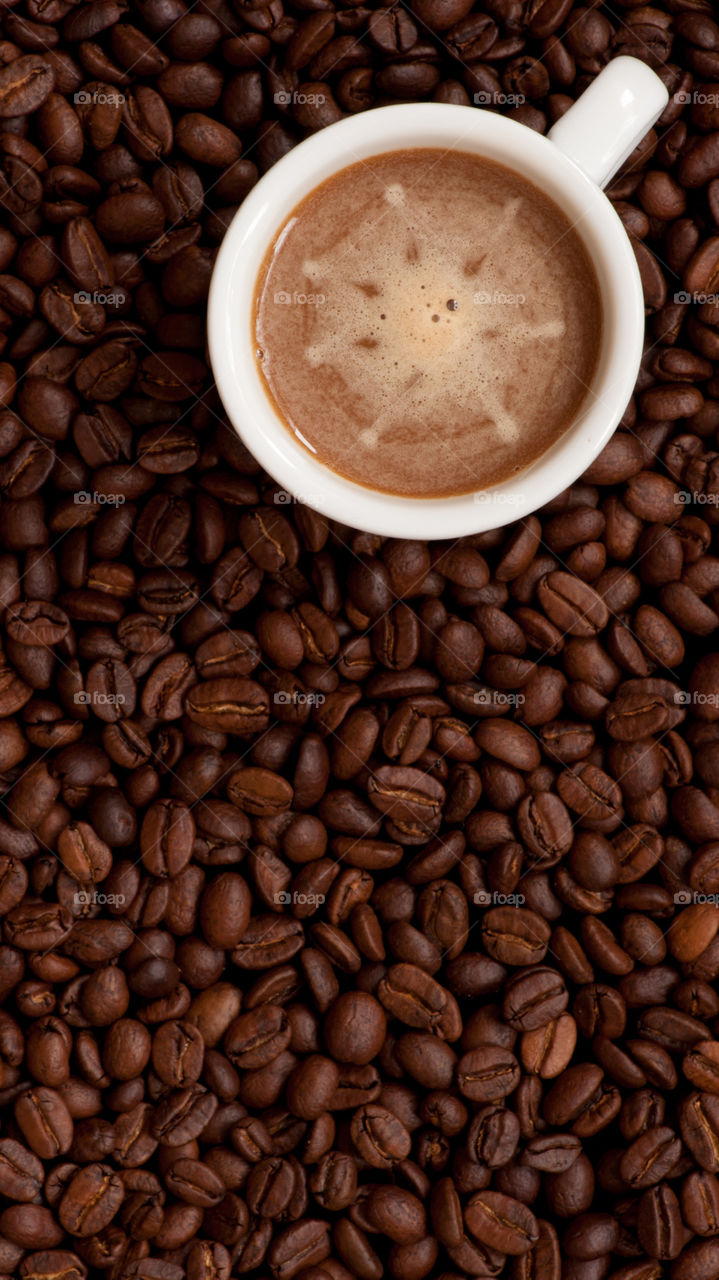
577 158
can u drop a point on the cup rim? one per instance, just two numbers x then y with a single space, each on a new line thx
263 212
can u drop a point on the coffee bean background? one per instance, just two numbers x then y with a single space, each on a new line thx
357 896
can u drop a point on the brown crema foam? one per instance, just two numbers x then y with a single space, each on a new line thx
428 323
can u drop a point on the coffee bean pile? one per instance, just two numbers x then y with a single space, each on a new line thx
357 895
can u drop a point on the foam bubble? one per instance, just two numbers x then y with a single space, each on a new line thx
313 269
395 194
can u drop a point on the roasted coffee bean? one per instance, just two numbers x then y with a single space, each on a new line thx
24 85
21 1175
379 1136
228 706
659 1223
487 1073
534 997
195 1183
178 1053
45 1121
182 1115
304 1244
415 998
650 1157
699 1198
91 1200
355 1028
501 1223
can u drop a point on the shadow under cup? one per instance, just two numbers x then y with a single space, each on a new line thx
253 231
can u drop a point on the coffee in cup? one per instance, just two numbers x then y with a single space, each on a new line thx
428 322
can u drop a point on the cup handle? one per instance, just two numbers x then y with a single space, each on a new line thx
604 126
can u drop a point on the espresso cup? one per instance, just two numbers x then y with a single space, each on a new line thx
571 165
